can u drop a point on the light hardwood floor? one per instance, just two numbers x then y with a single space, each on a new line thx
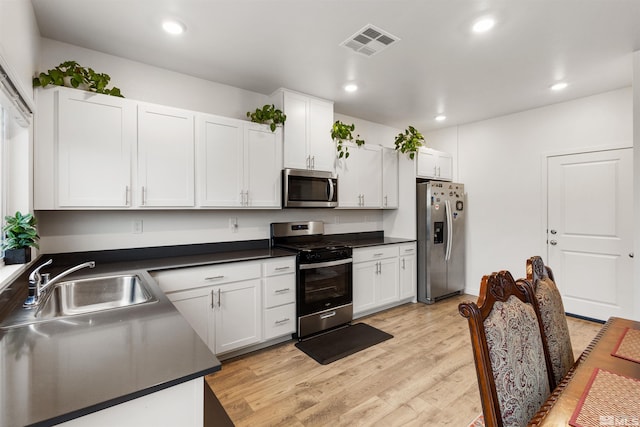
424 376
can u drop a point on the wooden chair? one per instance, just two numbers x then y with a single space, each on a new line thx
552 316
512 362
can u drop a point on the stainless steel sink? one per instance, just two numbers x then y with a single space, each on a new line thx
94 294
84 296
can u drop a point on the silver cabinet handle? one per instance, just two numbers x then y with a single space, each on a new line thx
144 196
126 195
214 278
281 291
385 201
280 322
212 304
438 170
313 162
219 297
286 267
378 254
403 266
553 242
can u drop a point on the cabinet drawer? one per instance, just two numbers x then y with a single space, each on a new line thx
279 321
374 253
407 249
196 277
279 266
279 290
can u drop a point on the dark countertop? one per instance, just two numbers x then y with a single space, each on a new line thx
59 370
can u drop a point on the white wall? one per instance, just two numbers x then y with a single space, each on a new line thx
500 161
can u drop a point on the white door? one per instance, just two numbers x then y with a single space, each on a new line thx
262 166
590 229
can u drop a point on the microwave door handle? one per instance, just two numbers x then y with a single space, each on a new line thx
331 189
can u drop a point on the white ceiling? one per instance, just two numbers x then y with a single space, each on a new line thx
438 66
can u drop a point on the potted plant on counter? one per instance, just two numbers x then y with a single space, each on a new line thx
20 235
72 74
409 141
341 132
268 114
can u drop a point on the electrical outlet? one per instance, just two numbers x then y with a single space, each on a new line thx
233 225
137 226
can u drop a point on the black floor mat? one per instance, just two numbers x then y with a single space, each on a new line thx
335 345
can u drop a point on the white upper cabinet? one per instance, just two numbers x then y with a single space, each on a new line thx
434 164
360 178
389 178
166 146
307 131
83 159
239 163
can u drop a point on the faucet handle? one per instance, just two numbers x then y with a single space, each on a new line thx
35 277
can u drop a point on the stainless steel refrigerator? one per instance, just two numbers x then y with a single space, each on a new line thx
441 208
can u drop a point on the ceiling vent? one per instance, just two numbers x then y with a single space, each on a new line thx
369 41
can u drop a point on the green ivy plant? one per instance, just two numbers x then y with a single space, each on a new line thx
409 141
341 132
72 74
268 114
20 231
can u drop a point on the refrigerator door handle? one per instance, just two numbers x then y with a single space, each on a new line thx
447 206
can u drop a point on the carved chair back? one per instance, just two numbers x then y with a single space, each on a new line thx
551 313
511 358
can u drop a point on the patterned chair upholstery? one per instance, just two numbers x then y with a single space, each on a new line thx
552 316
511 358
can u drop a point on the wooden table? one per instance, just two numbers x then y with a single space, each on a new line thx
562 402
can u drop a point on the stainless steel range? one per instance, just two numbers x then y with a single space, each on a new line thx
324 276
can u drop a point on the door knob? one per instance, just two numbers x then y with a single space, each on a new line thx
553 242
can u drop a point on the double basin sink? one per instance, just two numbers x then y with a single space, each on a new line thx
84 296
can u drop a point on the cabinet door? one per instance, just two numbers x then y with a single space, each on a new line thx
166 146
408 283
387 289
321 146
262 166
95 138
295 132
364 277
427 166
389 178
220 161
196 307
370 176
349 195
238 319
445 166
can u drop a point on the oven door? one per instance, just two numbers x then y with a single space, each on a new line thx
324 285
309 189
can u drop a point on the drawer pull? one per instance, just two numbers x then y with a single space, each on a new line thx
327 315
379 254
282 291
283 268
214 278
280 322
408 250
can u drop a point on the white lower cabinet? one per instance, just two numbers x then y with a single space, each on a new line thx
383 276
408 270
235 305
375 277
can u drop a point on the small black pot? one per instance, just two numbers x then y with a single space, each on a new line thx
17 256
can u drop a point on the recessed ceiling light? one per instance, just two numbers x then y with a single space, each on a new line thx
351 87
483 25
559 86
173 27
440 118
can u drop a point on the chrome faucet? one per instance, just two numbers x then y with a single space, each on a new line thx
39 283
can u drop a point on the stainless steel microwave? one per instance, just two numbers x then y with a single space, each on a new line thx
309 189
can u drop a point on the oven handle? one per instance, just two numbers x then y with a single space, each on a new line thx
326 264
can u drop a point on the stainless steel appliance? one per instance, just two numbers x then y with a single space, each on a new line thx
309 189
324 294
441 243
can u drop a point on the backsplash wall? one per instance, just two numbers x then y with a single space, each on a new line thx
74 231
